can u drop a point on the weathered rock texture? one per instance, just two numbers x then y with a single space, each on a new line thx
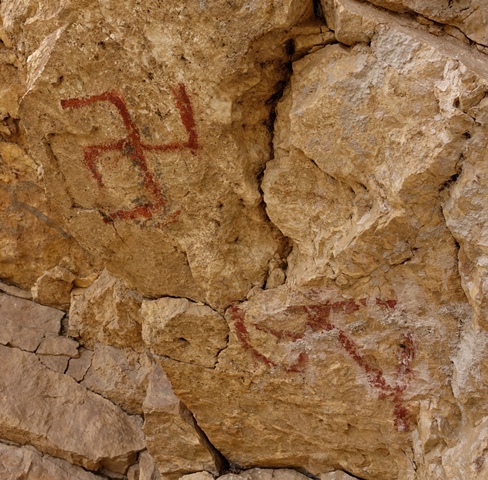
244 234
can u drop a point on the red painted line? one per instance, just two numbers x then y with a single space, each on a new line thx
134 148
318 319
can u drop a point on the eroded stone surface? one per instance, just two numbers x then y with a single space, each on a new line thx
264 474
24 324
470 16
60 417
294 351
19 463
145 469
183 330
142 131
120 375
54 288
164 183
106 312
171 436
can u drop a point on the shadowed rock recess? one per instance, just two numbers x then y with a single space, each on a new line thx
244 240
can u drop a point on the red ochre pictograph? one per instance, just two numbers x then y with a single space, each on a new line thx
318 320
133 146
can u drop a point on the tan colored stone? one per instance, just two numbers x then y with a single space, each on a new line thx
265 474
52 345
15 292
336 476
54 287
19 463
321 370
470 16
120 375
106 312
171 432
60 417
198 476
183 330
24 324
468 460
145 469
58 363
78 367
182 220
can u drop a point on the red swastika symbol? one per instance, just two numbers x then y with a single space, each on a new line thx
133 146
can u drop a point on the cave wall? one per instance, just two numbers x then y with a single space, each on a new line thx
243 239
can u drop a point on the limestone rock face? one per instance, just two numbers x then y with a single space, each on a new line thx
243 239
120 375
292 352
25 324
173 439
56 415
470 16
184 331
106 312
152 157
18 463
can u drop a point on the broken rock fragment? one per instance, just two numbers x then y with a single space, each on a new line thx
120 375
183 330
19 463
106 312
173 439
24 324
60 417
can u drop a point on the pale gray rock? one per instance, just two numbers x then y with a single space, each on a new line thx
24 324
120 375
26 463
145 469
78 367
265 474
58 363
60 417
336 476
59 346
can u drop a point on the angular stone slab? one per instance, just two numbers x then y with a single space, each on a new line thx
60 417
183 330
24 324
106 312
172 437
120 375
19 463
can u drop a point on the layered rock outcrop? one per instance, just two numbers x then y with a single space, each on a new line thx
243 240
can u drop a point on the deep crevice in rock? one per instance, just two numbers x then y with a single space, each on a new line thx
221 463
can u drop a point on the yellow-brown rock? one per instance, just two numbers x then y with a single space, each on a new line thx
173 439
183 330
262 226
106 312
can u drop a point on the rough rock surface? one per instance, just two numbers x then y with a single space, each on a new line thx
25 324
184 331
120 375
261 225
106 312
19 463
61 418
173 439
